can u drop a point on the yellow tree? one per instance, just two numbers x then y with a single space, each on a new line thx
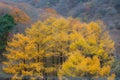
51 37
21 58
93 42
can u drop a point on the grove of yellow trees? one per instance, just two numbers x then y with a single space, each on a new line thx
61 47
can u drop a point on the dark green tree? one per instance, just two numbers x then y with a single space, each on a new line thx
6 25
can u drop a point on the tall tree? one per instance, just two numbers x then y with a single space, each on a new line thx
21 58
92 42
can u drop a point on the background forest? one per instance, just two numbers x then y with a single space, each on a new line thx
61 38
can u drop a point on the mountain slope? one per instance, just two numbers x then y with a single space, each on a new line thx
87 10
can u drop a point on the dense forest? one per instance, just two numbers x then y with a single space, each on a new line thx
59 39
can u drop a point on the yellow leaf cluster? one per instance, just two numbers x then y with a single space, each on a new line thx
79 65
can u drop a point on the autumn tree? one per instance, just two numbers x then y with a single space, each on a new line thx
20 16
56 41
21 58
47 38
93 43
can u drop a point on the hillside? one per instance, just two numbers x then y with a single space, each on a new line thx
27 12
86 10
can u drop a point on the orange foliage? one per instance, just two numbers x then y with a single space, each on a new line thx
50 10
20 16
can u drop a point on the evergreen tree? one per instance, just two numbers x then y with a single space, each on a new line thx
6 25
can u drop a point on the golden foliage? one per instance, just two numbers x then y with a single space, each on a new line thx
79 65
87 47
21 55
